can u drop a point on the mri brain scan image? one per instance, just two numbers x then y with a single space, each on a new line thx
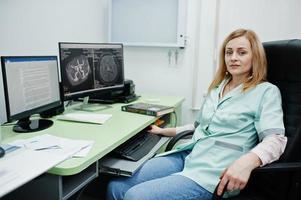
78 70
108 69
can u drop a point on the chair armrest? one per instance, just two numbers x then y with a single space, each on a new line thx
273 167
279 167
176 138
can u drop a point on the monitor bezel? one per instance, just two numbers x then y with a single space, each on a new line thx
33 111
81 94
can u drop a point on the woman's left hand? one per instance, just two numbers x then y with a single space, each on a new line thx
238 173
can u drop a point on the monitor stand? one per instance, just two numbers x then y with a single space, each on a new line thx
2 152
91 107
26 125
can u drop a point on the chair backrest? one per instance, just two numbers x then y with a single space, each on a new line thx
284 70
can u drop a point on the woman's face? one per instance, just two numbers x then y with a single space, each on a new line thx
238 57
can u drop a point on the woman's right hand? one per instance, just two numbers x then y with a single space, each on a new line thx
170 132
155 130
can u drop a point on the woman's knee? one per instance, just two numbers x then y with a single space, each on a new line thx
132 194
138 192
116 189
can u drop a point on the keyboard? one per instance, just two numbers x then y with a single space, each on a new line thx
137 147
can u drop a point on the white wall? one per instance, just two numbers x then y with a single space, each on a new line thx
34 27
270 19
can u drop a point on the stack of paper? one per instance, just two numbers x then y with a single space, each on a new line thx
85 117
56 145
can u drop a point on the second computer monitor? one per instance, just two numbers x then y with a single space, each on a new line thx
31 86
90 68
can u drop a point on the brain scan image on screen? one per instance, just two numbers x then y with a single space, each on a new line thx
89 69
108 69
78 70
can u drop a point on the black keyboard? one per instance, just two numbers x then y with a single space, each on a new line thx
137 147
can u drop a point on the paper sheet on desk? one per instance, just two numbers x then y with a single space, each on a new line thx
85 117
56 144
84 145
83 152
38 142
7 175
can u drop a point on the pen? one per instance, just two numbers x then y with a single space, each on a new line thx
52 147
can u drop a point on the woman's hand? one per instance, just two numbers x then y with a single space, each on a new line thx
238 173
170 132
155 129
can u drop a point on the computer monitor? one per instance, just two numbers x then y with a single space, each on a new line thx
90 68
3 117
31 86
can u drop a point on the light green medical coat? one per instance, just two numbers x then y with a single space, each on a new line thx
230 127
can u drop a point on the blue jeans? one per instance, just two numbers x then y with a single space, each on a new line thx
155 180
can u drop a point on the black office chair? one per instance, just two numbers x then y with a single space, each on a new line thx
280 180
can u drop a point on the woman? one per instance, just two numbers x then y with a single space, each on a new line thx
239 127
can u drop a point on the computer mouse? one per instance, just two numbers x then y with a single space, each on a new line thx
2 152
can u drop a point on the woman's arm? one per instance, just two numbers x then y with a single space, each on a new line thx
238 173
271 148
170 132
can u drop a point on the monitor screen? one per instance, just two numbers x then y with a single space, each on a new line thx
31 86
90 68
3 117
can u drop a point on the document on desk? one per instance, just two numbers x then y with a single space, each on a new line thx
93 118
84 146
6 175
37 143
56 145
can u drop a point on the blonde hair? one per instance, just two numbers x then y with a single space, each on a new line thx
259 62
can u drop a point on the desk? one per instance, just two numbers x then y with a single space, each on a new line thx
63 180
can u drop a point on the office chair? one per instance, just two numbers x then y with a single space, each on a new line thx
280 180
